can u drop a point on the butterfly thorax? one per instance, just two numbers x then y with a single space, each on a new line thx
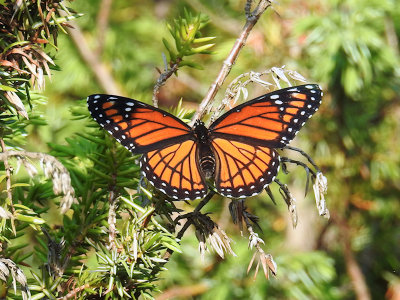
205 153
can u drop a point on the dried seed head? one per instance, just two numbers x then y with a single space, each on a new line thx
293 212
254 240
210 235
320 188
7 268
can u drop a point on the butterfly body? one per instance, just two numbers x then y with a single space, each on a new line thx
205 155
237 150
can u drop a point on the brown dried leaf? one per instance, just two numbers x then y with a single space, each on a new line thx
44 55
6 63
17 103
251 262
31 67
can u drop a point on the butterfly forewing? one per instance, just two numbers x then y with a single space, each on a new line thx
270 120
137 126
175 171
243 170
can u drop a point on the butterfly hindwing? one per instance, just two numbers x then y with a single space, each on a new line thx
270 120
137 126
243 170
174 170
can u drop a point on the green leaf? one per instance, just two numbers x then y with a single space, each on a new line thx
7 88
191 64
200 49
29 219
20 184
204 39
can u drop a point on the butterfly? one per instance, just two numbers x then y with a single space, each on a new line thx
238 150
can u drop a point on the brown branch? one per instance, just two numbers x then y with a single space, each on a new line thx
98 68
353 269
162 79
231 59
102 24
74 292
112 219
183 291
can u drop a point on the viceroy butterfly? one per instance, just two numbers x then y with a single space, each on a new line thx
237 150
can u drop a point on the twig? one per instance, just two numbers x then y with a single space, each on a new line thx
231 59
74 292
183 291
267 261
93 62
290 201
353 269
112 218
102 24
162 79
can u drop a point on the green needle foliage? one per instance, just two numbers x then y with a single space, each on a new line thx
187 35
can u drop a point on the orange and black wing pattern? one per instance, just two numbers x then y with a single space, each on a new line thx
137 126
271 120
242 169
169 147
175 171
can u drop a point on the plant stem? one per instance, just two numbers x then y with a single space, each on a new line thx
252 19
163 78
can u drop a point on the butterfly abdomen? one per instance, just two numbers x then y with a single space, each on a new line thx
206 155
206 160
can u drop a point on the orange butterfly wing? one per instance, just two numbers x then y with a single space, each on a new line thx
137 126
243 170
271 120
169 148
244 138
174 170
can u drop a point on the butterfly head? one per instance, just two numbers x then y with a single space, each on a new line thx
201 131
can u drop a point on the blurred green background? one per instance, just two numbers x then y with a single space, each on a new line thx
351 49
